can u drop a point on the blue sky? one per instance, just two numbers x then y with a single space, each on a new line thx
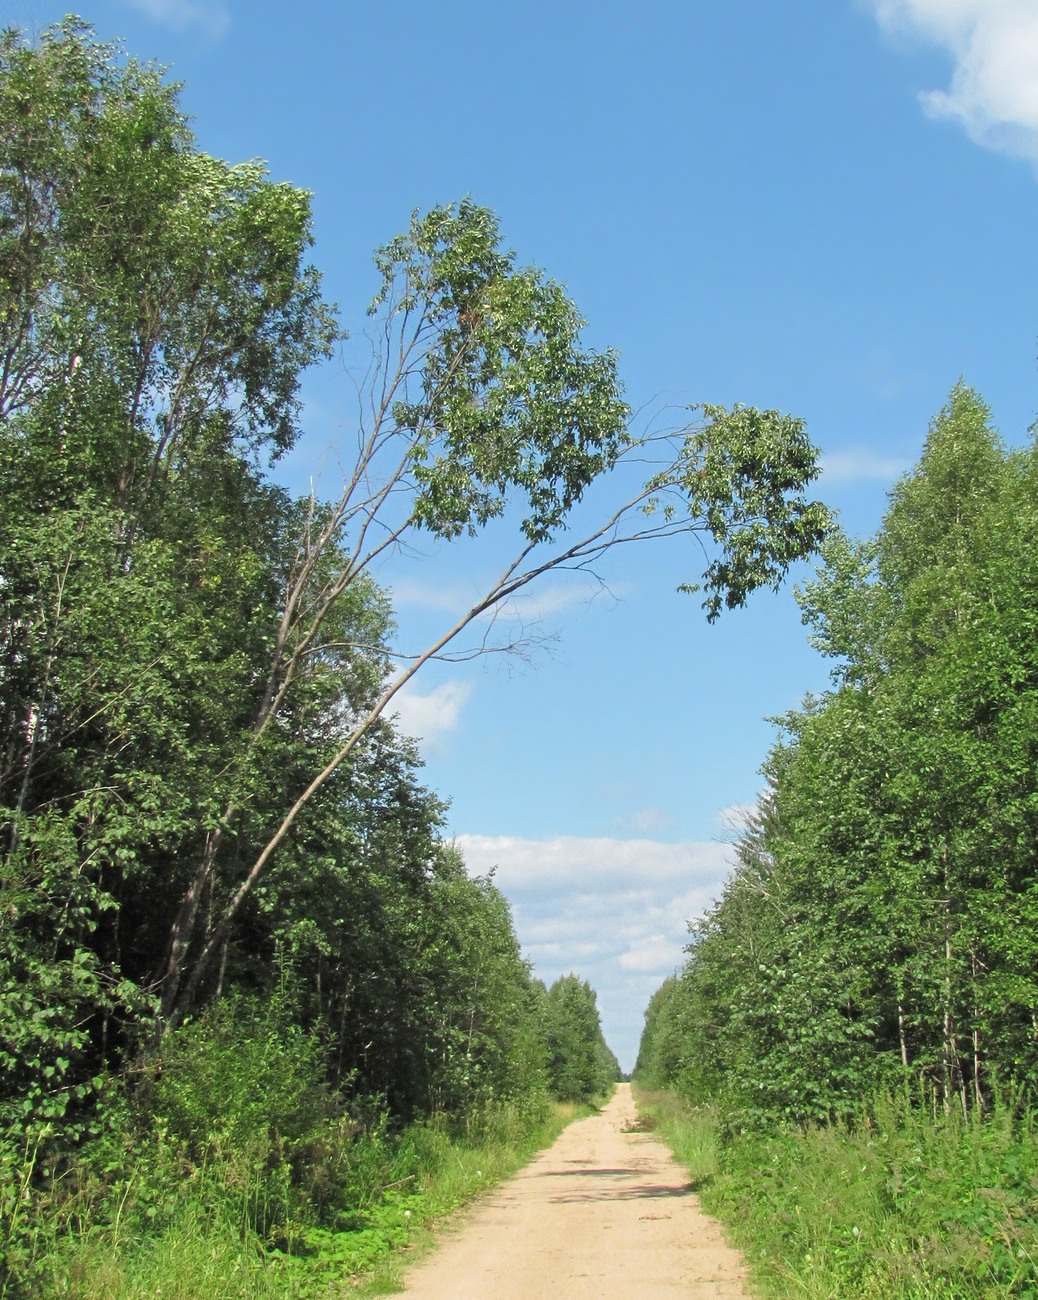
825 206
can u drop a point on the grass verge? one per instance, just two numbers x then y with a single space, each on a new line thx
185 1231
900 1206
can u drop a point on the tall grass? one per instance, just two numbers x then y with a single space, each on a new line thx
901 1205
225 1166
197 1254
235 1222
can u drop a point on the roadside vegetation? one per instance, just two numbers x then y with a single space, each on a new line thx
225 1163
286 1200
257 1021
852 1045
894 1204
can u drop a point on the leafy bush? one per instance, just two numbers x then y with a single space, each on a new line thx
242 1090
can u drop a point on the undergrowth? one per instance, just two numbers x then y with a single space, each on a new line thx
227 1168
901 1205
181 1230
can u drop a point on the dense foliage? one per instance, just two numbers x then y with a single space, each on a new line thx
876 928
580 1062
876 937
232 937
158 316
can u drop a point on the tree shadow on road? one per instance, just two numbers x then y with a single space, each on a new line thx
646 1192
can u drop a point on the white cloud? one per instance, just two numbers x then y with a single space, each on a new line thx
424 595
540 601
860 463
994 85
432 716
571 862
212 19
613 911
544 602
647 822
655 953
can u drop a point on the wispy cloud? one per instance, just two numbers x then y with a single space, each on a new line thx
614 911
654 953
994 86
733 819
426 595
649 821
531 606
432 716
860 463
543 602
212 19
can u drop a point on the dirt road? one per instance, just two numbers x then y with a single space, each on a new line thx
606 1212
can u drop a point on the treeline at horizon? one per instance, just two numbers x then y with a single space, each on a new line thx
858 1013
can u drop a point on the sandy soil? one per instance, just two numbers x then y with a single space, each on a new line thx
606 1212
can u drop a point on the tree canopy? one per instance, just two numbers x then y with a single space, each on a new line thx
198 785
878 923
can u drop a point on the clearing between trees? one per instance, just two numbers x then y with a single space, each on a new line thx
605 1211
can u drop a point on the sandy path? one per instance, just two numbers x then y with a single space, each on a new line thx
606 1212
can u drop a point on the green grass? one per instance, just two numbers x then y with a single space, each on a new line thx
227 1168
194 1256
181 1231
901 1206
